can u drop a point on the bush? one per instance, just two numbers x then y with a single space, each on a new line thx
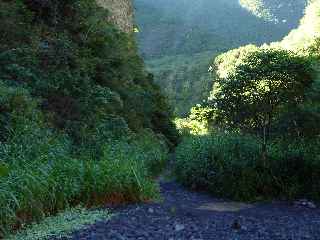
295 166
76 109
231 166
42 171
50 182
197 123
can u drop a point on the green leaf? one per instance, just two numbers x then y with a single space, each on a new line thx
4 170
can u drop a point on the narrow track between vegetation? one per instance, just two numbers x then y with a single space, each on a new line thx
197 216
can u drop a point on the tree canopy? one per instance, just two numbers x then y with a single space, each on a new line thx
257 84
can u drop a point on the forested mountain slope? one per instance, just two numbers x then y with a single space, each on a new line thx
177 37
274 10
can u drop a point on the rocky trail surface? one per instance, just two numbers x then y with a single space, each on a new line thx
197 216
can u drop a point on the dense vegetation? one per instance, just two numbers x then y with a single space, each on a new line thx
261 121
231 165
81 120
179 38
83 123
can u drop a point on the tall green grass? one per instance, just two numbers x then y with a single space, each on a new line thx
232 166
34 188
43 170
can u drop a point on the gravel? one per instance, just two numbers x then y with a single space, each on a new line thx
180 216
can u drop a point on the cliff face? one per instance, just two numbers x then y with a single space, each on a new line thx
121 13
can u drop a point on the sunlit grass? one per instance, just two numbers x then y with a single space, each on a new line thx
61 225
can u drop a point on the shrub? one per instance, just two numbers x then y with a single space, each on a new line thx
231 166
295 167
50 182
197 123
42 171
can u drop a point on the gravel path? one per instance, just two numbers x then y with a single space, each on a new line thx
194 216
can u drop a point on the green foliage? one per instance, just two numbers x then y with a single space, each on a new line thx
61 225
231 166
188 126
257 85
271 89
265 100
4 170
43 172
178 39
81 120
45 177
197 123
80 66
177 75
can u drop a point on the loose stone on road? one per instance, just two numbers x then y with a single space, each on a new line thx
186 215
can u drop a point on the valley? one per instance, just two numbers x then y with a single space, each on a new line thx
179 39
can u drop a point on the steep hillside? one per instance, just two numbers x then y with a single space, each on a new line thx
185 27
274 10
82 122
186 30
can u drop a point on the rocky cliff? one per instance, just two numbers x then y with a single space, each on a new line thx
121 13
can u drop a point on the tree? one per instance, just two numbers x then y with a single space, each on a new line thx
257 87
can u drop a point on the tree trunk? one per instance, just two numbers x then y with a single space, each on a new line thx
264 146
